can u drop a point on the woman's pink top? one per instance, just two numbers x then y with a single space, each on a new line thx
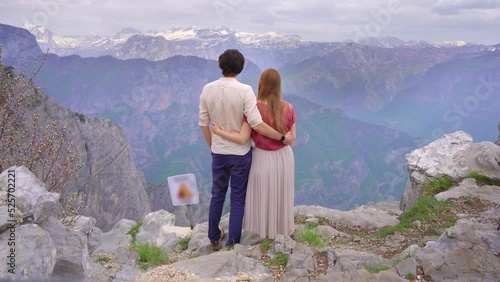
289 119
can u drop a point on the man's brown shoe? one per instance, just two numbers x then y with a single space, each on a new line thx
217 244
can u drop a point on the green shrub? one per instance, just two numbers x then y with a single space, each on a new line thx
134 230
279 260
265 245
310 236
184 243
483 179
434 186
311 225
103 259
378 268
425 210
150 254
41 145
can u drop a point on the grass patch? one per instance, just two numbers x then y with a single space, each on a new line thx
311 225
150 254
134 230
265 245
103 259
410 276
482 179
378 268
310 236
425 211
279 260
184 243
434 186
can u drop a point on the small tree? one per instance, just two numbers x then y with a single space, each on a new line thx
43 149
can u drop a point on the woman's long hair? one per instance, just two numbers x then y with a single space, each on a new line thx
270 93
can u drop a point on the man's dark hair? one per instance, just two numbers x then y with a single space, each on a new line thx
231 62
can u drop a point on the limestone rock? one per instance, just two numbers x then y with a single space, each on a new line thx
498 141
453 155
158 227
327 232
296 275
86 225
390 275
109 183
468 251
126 274
200 244
371 216
117 241
99 273
94 239
72 253
283 244
407 266
253 252
469 188
351 260
31 195
302 257
28 263
20 41
222 264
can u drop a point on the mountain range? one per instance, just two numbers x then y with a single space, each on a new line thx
266 50
374 80
360 107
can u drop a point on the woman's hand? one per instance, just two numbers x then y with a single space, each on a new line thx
216 129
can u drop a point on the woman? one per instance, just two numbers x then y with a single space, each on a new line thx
271 183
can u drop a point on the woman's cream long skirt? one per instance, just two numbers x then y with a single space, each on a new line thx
270 193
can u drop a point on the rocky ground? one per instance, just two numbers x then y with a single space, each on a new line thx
355 238
452 234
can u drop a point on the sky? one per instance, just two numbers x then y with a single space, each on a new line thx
475 21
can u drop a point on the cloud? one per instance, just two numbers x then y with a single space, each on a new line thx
320 20
454 7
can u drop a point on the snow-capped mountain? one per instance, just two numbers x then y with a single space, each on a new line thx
263 49
394 42
158 45
266 50
85 46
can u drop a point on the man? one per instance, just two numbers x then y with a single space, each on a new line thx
225 101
